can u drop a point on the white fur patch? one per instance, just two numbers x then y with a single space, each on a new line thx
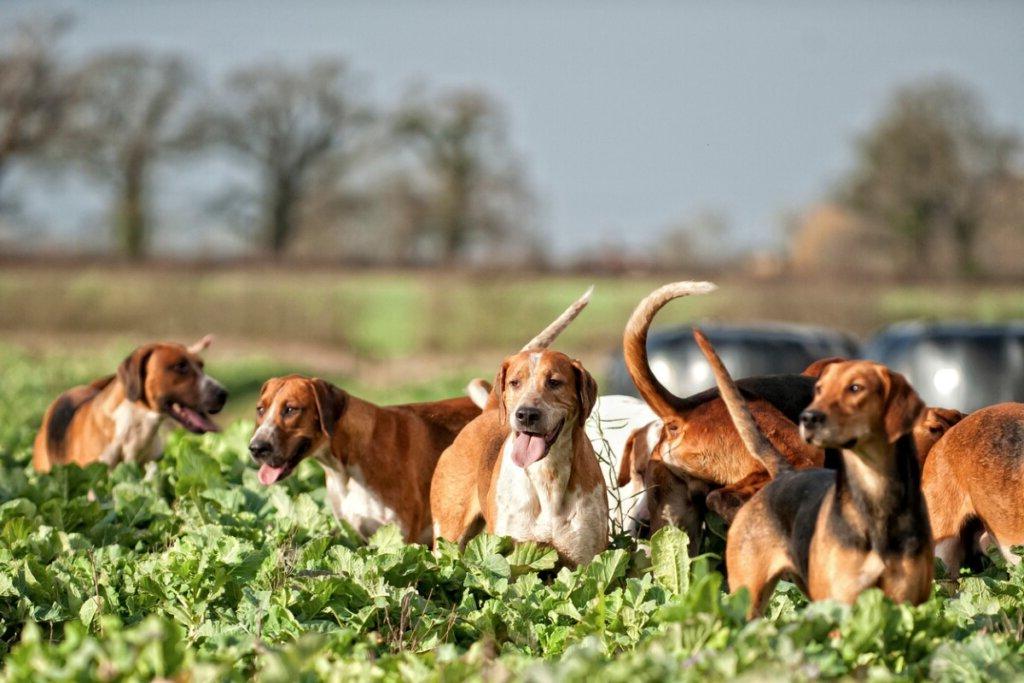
136 435
535 504
352 501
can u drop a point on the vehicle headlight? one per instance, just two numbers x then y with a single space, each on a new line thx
946 380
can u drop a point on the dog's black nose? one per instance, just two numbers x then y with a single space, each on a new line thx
259 449
220 397
527 417
812 418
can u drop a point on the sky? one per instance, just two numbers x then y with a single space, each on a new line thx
628 117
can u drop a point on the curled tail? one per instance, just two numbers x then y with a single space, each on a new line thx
548 335
752 436
634 346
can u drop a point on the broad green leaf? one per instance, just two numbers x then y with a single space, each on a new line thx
670 559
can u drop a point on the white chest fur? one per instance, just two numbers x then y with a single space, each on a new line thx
352 500
536 504
136 435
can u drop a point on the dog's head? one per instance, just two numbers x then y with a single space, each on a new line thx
169 378
540 394
295 416
933 423
855 401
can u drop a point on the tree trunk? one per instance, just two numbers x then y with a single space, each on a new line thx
280 224
130 222
964 231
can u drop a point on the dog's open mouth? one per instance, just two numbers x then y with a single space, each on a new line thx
528 448
269 474
191 419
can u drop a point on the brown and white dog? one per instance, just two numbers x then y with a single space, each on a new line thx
377 460
118 418
699 439
836 533
525 468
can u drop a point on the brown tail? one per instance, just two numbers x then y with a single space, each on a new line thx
634 345
558 325
753 438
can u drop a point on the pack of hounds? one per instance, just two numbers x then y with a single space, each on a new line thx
838 479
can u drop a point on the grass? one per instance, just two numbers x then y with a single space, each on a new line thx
200 573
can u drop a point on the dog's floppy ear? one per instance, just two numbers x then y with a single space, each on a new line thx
330 404
817 367
635 455
947 416
586 391
902 405
132 373
628 458
499 391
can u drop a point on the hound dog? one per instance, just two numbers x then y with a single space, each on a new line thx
699 439
525 467
378 460
118 418
643 494
836 533
973 482
663 495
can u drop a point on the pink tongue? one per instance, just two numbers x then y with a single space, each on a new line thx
194 420
527 449
268 475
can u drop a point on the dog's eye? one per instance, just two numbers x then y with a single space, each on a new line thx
554 383
514 383
260 410
290 410
935 430
181 367
855 388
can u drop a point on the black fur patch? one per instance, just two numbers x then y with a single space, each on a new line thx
63 412
790 394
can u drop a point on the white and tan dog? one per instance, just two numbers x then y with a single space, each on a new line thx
118 418
525 467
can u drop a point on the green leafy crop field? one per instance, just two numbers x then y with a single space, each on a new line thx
200 573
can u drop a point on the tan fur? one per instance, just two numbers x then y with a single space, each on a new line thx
118 419
866 410
378 460
700 440
560 500
976 471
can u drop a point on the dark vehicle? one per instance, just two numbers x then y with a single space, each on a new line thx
956 365
746 350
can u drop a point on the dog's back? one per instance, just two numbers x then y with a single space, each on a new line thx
50 447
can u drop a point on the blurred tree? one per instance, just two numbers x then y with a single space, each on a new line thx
472 186
926 166
293 124
694 241
35 93
128 114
